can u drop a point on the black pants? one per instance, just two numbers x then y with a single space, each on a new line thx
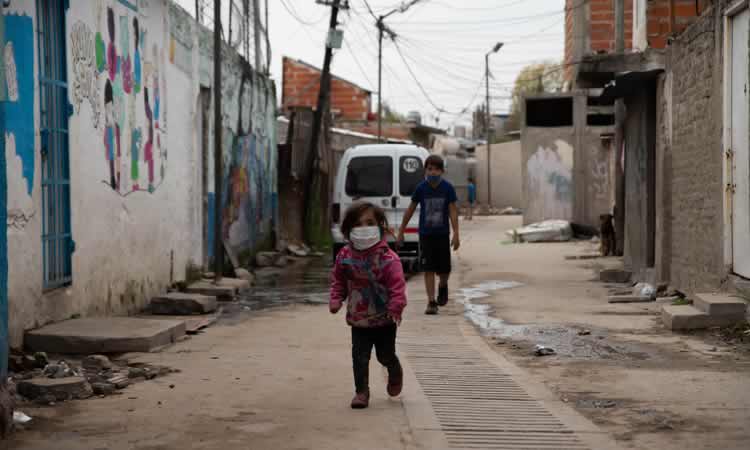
384 340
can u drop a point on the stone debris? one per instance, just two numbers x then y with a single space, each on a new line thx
511 211
136 372
97 363
266 259
61 369
297 250
244 274
103 389
584 333
58 389
615 276
120 381
541 350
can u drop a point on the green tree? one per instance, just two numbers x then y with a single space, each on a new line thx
533 79
390 115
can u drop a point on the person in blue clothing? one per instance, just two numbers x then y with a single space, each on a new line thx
438 214
472 194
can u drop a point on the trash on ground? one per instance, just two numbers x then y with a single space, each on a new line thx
20 418
645 290
511 211
547 231
584 332
541 350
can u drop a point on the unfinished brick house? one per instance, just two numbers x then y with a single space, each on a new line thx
683 164
300 87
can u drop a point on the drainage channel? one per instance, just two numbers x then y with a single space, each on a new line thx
477 405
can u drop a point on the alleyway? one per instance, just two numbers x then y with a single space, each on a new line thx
280 378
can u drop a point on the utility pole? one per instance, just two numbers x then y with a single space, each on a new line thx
620 137
256 26
268 43
383 28
487 126
218 132
325 86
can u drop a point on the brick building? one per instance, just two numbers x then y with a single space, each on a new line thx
590 26
685 164
301 82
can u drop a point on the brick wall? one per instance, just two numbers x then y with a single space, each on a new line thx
602 25
659 26
301 84
569 41
696 156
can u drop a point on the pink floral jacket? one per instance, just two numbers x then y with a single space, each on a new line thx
373 283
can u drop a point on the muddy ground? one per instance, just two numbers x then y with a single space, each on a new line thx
649 387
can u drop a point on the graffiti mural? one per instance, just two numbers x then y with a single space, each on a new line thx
129 86
18 59
250 170
549 182
85 85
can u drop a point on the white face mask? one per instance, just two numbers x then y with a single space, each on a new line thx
363 238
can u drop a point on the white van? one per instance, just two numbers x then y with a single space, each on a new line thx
385 175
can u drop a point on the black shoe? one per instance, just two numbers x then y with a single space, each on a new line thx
442 298
432 309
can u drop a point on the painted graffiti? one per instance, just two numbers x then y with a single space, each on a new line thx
250 173
128 72
18 220
549 182
18 56
85 85
600 178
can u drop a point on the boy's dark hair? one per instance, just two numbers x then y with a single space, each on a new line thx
434 161
471 179
355 211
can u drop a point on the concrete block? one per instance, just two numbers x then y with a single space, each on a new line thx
60 388
629 299
719 304
686 317
179 303
222 291
615 276
105 335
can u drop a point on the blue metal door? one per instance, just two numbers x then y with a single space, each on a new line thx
57 241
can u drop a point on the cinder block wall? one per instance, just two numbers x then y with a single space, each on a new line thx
697 219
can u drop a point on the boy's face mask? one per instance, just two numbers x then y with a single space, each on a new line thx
434 179
363 238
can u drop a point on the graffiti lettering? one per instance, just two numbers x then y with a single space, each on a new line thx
18 220
85 86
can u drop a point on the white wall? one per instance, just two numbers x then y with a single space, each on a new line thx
505 172
134 239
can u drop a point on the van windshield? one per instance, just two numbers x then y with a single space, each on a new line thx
411 173
370 176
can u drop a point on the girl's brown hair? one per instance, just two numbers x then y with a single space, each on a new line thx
355 211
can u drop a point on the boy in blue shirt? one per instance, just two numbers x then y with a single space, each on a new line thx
472 191
438 214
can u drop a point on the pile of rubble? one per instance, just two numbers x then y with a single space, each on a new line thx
36 379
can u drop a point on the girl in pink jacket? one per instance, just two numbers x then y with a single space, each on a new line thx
369 275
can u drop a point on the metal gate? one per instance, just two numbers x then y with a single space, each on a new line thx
57 243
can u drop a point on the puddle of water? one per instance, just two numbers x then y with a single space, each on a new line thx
305 282
565 340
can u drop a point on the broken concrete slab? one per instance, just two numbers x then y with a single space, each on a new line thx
583 257
687 317
225 290
96 363
615 276
60 388
266 259
181 303
719 304
105 335
630 299
244 274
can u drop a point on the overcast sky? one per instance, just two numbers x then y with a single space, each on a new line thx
443 42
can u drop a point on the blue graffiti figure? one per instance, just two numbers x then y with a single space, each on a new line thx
137 57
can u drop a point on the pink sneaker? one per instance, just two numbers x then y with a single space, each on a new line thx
361 400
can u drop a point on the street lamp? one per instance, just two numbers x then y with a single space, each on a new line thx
488 123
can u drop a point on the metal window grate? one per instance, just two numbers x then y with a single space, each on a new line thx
57 243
